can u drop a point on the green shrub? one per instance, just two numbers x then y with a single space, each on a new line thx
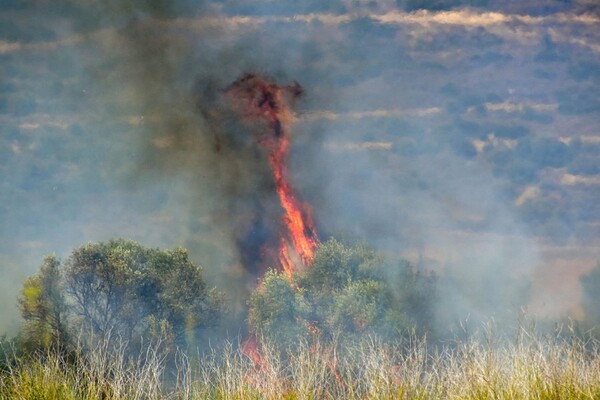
119 290
349 291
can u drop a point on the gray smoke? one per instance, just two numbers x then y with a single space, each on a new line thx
116 126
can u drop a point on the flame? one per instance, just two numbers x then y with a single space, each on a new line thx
251 349
299 226
263 100
285 260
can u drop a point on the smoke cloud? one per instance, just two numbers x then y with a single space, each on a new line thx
116 123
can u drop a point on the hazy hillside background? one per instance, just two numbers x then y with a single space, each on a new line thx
460 134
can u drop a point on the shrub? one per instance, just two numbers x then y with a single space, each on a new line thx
349 291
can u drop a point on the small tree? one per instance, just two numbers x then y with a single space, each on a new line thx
122 291
278 310
349 291
100 281
43 308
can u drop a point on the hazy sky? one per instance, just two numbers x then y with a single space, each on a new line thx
460 134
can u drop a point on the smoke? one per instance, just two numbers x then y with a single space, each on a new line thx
118 124
438 210
169 82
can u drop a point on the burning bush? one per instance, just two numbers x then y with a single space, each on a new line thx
348 291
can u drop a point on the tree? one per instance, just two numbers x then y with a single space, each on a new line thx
278 310
349 290
120 291
99 280
43 308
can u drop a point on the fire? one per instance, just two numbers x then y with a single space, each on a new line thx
252 349
264 101
300 227
261 100
285 260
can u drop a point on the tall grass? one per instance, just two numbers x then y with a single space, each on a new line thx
532 367
97 374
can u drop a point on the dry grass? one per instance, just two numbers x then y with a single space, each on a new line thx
527 368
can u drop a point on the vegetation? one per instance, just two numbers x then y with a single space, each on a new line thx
115 321
349 291
43 307
118 290
531 367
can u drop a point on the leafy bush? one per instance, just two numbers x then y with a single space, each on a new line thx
348 291
117 290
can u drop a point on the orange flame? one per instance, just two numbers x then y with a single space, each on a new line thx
264 100
298 224
251 349
285 260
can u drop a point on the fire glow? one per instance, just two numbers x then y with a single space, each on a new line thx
263 101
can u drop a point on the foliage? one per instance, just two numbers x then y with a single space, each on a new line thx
43 307
120 290
348 290
532 367
278 309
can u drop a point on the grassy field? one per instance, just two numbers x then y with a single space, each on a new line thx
530 367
